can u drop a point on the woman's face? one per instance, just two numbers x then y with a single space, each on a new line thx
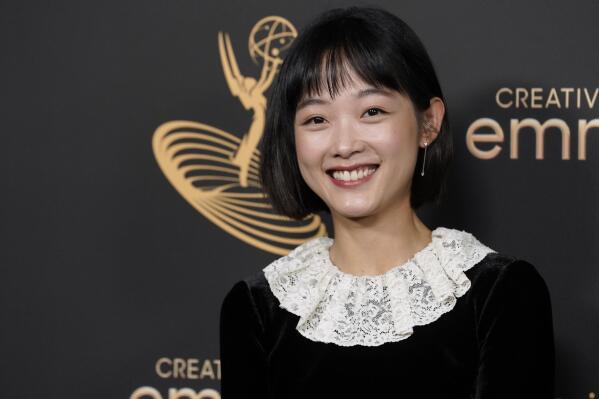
340 143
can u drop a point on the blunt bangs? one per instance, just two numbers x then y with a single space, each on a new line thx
328 53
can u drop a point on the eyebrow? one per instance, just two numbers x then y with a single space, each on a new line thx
362 93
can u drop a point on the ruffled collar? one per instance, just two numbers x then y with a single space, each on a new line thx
346 309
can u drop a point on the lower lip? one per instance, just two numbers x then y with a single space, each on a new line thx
351 183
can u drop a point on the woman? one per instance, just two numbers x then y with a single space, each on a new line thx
357 126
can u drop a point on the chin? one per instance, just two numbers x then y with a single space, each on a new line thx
353 213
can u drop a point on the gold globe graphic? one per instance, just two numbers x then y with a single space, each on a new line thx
269 38
217 171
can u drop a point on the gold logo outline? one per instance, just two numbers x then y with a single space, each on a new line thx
193 154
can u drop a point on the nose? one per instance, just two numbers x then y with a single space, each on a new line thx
346 139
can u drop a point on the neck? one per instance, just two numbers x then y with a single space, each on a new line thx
372 245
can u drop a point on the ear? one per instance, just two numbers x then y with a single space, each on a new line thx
432 119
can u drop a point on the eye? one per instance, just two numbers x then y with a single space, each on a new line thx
375 111
317 119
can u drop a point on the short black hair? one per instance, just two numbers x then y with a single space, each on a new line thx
384 52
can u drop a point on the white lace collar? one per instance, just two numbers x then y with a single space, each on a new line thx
345 309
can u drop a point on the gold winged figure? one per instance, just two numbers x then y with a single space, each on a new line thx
251 95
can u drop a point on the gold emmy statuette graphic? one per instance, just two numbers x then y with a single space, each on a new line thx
216 172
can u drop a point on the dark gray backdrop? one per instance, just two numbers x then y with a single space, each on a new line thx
104 268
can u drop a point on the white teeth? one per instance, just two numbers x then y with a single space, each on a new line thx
355 174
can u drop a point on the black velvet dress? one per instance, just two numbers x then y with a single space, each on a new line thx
495 342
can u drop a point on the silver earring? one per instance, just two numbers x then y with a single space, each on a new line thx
424 158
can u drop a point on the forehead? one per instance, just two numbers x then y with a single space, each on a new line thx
332 77
337 79
335 72
354 91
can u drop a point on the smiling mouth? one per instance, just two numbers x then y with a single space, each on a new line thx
354 176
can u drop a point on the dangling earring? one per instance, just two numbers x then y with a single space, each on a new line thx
424 158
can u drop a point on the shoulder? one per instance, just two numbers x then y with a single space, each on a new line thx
253 287
496 267
252 292
260 291
501 279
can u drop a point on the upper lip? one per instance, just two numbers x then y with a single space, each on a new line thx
350 167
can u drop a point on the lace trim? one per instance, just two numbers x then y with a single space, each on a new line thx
347 310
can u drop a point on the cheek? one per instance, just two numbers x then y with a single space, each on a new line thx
395 138
307 157
308 153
